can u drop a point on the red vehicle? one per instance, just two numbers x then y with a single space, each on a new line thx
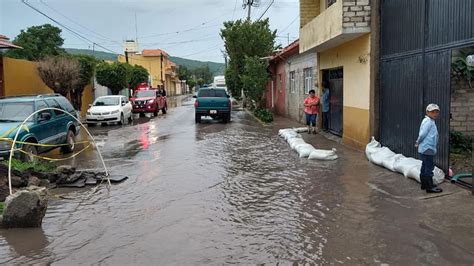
148 100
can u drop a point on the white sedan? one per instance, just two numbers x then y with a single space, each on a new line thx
109 109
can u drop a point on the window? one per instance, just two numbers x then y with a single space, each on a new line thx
308 79
330 2
52 103
15 111
65 104
292 82
41 105
212 93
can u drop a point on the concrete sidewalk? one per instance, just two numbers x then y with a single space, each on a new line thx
446 219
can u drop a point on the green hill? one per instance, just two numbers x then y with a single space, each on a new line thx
216 68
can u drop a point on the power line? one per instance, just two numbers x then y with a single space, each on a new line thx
66 27
291 23
268 7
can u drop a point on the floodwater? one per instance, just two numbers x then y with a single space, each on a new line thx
233 194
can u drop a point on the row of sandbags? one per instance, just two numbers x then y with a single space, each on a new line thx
409 167
305 150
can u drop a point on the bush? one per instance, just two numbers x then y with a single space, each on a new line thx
459 143
2 206
264 114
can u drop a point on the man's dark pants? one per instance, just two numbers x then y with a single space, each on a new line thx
326 120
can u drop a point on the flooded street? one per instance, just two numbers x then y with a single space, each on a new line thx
235 193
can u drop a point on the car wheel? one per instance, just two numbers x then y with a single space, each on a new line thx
122 120
197 118
29 156
70 141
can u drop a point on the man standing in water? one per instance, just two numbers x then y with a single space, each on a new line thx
426 143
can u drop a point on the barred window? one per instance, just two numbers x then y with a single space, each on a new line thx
292 82
308 79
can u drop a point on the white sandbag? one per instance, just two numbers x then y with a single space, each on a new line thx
325 155
405 164
300 129
372 147
380 156
414 173
295 142
304 150
290 134
389 163
285 130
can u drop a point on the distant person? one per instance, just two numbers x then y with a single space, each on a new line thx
311 109
325 99
162 91
426 143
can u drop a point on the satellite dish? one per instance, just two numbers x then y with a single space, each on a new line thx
470 60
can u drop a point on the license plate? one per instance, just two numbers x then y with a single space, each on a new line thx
213 112
100 118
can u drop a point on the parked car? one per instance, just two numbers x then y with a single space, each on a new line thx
212 102
149 101
46 127
110 109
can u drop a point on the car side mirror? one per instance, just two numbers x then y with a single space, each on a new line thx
194 96
44 117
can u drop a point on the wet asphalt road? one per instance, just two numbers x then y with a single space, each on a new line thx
228 194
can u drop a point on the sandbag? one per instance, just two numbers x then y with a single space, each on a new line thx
381 155
389 163
285 130
291 134
300 129
325 155
405 164
296 142
414 173
304 150
372 147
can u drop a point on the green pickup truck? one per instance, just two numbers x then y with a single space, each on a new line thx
212 102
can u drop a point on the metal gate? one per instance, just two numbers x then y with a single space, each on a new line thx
417 37
335 80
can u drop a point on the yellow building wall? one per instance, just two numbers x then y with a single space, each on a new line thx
22 78
151 63
354 58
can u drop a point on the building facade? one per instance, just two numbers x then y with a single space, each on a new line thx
339 31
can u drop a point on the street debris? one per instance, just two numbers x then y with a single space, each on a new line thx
305 150
25 208
409 167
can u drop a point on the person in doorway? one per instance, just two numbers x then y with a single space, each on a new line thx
311 109
426 143
325 100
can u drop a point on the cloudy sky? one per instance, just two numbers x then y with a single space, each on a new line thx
185 28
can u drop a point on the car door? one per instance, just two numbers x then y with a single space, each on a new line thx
60 121
44 129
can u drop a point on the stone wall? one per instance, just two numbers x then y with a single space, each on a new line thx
462 107
356 13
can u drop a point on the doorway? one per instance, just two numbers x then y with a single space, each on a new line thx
334 79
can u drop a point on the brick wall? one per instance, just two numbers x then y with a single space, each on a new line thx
309 9
356 13
462 107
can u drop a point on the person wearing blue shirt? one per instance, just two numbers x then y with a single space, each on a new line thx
325 99
427 146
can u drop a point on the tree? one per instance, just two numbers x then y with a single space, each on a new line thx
59 73
183 73
254 79
38 42
87 68
137 74
204 74
245 39
113 76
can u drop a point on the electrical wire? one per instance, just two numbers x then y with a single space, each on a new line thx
268 7
291 23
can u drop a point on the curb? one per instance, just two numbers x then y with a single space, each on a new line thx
256 118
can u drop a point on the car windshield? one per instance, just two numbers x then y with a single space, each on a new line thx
141 94
107 101
15 112
212 93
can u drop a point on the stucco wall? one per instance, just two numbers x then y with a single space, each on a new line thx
294 100
21 78
354 58
462 107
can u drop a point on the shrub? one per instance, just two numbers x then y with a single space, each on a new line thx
39 166
459 143
264 114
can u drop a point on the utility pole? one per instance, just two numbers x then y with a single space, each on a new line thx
288 38
249 4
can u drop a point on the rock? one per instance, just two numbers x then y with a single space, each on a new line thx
80 183
4 190
41 175
68 178
25 208
53 177
34 181
66 169
44 183
19 181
